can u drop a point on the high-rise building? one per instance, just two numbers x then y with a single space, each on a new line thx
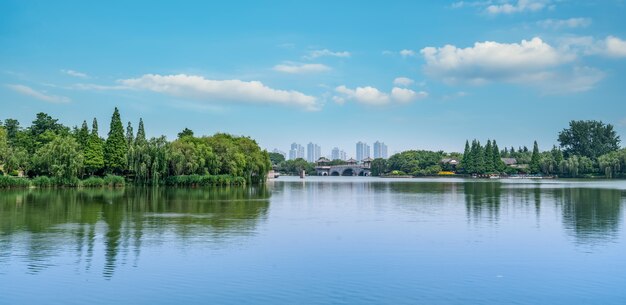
313 152
296 151
362 151
380 150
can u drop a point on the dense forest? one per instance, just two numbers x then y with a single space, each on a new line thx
50 154
586 149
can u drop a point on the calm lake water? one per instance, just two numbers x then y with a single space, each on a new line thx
327 240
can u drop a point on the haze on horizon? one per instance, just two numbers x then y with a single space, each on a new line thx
411 74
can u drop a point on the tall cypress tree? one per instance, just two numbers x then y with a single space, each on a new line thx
82 136
498 165
130 137
94 152
141 133
535 166
115 147
479 158
488 155
466 157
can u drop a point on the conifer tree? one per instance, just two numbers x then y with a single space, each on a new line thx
141 133
130 137
94 152
115 147
498 165
466 157
488 155
535 165
82 136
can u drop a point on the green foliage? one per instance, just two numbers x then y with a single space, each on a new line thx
114 181
94 151
535 160
379 167
115 148
7 182
276 158
590 139
296 166
42 181
204 180
82 136
61 158
92 182
416 162
185 133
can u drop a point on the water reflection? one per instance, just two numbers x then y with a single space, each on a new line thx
37 225
591 215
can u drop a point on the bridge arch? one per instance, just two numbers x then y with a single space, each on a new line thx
348 172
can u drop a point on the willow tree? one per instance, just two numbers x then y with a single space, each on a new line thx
60 158
115 147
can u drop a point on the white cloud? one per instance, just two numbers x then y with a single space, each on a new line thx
96 87
75 73
191 86
301 68
372 96
565 23
615 47
404 95
403 81
492 61
534 63
407 53
28 91
518 7
461 4
326 52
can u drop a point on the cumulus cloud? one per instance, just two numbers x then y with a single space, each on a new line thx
532 62
403 81
372 96
615 47
490 60
326 52
517 7
75 73
197 87
28 91
570 23
301 68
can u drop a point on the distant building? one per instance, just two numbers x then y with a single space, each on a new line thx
362 151
380 150
313 152
337 154
296 151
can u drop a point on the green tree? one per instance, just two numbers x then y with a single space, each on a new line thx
141 133
130 137
379 167
115 148
535 160
82 135
94 152
488 156
498 164
60 158
590 139
276 158
185 133
466 164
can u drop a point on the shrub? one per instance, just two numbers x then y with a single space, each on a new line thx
14 173
93 182
12 182
114 181
206 180
42 181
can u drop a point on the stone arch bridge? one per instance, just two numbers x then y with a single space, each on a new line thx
344 170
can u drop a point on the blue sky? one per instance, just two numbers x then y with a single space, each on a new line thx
414 74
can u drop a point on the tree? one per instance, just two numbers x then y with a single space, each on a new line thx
276 158
590 139
488 155
12 127
141 133
498 164
185 133
130 137
60 158
535 160
94 152
466 161
379 167
115 147
82 136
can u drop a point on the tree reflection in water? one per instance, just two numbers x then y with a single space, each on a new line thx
42 222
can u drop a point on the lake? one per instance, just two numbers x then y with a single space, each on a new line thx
319 240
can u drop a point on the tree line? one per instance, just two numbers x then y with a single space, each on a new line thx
586 149
50 149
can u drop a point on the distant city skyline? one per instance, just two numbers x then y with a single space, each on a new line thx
312 151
